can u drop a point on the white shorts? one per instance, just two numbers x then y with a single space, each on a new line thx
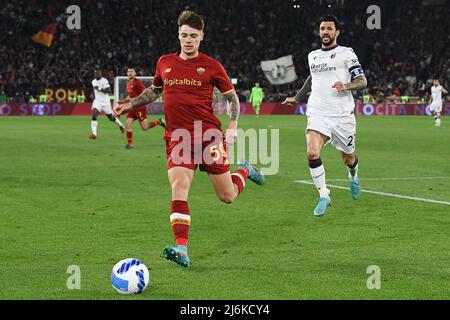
436 107
340 130
104 106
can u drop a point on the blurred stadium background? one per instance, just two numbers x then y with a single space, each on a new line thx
400 60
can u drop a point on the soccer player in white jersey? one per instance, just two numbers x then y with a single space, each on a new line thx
436 101
335 71
102 103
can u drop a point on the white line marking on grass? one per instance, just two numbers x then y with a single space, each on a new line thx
387 179
387 194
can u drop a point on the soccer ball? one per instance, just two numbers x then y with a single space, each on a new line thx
130 276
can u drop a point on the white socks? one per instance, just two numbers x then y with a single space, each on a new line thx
117 121
353 173
94 127
317 171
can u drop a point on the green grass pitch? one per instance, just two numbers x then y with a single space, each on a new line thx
66 200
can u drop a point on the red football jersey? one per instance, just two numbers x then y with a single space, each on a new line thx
188 90
135 88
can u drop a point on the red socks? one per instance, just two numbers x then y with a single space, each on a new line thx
239 177
130 137
180 219
153 124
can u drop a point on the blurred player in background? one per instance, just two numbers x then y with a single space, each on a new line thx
256 97
436 101
102 103
134 88
335 71
187 79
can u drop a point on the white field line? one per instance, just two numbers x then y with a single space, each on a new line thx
388 179
387 194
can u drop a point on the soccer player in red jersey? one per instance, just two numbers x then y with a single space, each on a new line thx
187 79
134 88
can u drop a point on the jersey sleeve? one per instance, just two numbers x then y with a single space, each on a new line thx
157 80
221 81
353 65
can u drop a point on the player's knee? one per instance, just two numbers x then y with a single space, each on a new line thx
313 154
180 186
227 197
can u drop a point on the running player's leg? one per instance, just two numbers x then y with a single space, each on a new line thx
351 161
315 141
180 179
344 140
94 124
142 117
116 121
228 186
438 115
434 109
129 126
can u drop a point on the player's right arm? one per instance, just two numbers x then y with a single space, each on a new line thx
149 95
301 94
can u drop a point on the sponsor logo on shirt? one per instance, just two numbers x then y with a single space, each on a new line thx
182 82
168 70
322 67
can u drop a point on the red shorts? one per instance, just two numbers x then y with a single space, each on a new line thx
209 156
138 114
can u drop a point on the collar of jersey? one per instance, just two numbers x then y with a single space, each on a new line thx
188 60
329 49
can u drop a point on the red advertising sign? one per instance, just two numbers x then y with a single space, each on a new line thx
79 109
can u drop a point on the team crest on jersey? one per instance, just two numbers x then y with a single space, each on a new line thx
168 70
333 56
201 70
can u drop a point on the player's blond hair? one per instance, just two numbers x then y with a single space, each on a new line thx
191 19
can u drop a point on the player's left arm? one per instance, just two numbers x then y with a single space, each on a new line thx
444 91
105 90
232 98
221 80
358 79
357 84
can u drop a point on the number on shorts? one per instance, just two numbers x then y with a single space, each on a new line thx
217 150
351 138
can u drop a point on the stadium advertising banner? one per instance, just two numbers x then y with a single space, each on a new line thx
84 109
63 94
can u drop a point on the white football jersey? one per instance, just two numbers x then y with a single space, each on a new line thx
101 84
436 94
328 67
